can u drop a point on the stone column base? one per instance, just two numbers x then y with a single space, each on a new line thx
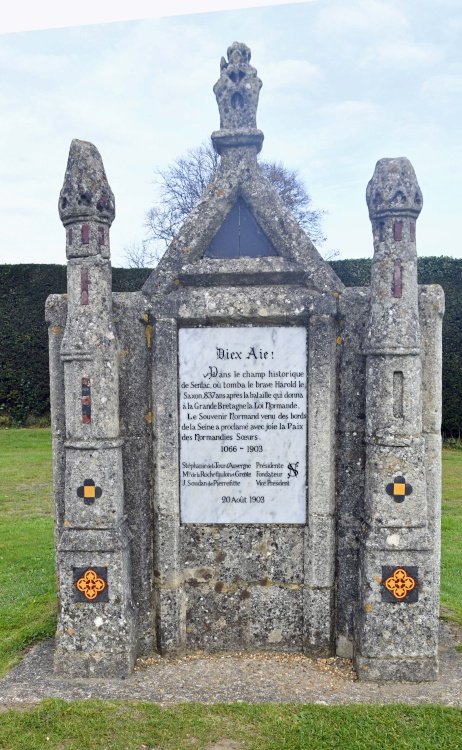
96 664
397 669
96 625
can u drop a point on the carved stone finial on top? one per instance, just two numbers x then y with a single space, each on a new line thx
237 91
393 190
86 193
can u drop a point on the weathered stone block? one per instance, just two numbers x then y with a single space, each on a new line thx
98 664
400 624
242 553
431 309
283 548
134 332
349 533
319 560
137 462
394 503
218 617
399 669
318 621
277 618
94 491
200 547
170 610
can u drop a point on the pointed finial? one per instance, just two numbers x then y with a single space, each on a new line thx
393 190
237 91
86 193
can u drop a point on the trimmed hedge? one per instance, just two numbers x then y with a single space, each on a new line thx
448 273
24 375
24 378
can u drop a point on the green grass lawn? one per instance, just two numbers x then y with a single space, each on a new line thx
451 532
88 725
28 612
27 581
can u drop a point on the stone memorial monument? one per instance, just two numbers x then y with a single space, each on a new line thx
246 453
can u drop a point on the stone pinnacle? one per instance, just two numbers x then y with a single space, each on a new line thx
393 190
86 193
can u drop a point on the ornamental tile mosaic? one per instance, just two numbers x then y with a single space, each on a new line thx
89 492
400 584
90 584
399 489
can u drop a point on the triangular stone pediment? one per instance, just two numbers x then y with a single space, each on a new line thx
240 232
239 236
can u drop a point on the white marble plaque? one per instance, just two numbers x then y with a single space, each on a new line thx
242 402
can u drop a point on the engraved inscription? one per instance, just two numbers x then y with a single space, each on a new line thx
242 402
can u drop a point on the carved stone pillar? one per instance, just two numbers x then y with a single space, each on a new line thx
95 629
396 628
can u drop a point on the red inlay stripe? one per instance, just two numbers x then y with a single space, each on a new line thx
86 401
397 279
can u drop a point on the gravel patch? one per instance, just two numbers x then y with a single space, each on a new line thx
231 678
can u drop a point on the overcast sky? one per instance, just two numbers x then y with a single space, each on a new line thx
344 84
